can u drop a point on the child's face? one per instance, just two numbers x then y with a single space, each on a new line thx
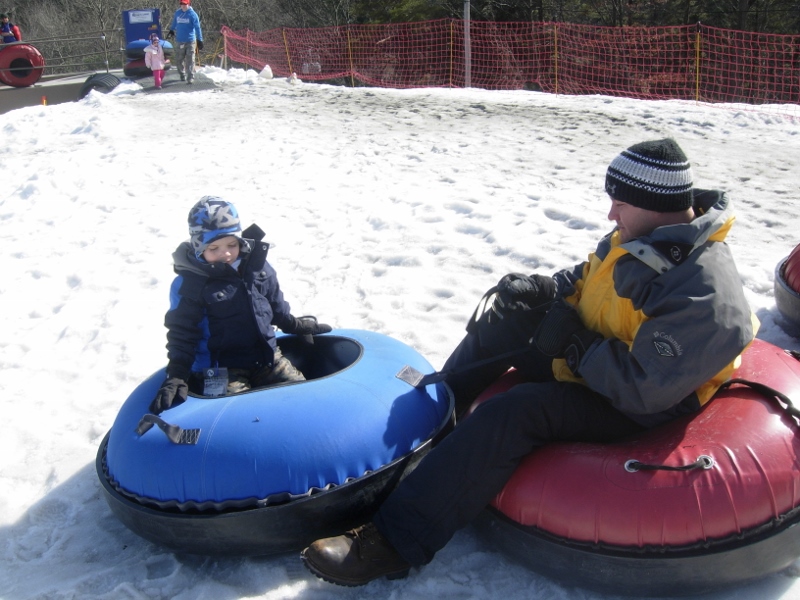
222 250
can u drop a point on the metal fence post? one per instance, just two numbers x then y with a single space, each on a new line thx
467 48
697 64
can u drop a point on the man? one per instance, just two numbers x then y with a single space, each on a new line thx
185 30
644 331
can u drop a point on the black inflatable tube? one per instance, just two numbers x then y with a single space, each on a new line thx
639 573
137 68
271 529
786 299
102 82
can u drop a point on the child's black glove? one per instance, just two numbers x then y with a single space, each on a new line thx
306 325
173 391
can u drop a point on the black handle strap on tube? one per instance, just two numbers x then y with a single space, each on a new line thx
768 392
707 462
176 434
418 380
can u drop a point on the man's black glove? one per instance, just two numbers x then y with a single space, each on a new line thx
171 33
562 334
199 44
305 326
579 343
516 291
173 391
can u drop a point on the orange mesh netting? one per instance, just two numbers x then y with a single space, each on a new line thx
690 62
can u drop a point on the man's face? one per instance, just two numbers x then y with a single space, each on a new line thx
184 7
633 221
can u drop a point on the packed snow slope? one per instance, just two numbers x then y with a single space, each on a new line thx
388 210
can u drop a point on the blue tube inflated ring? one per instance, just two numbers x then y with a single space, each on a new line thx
332 446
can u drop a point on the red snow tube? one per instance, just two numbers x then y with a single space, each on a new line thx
787 290
21 65
136 68
589 514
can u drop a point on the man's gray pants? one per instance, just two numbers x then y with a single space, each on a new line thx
184 58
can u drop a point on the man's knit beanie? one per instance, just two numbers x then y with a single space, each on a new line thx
210 219
652 175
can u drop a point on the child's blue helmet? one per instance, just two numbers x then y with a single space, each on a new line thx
210 219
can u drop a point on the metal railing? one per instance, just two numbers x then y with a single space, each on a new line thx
82 52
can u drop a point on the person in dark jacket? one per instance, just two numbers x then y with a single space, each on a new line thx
645 330
224 305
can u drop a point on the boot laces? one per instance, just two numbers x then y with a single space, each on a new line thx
367 537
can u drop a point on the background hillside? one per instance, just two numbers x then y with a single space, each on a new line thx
63 20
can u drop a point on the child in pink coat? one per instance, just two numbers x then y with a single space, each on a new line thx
154 59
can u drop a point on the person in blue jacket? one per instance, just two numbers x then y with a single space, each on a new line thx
224 304
9 32
185 29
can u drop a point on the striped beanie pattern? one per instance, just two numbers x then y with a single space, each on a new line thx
210 219
654 176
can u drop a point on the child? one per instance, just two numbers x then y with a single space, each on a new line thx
224 303
154 59
9 32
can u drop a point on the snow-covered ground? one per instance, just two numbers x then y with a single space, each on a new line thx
388 210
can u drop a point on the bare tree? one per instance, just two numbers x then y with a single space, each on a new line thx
318 13
65 19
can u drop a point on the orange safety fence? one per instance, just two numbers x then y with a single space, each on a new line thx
689 62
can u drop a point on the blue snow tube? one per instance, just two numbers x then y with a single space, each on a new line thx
135 48
271 470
